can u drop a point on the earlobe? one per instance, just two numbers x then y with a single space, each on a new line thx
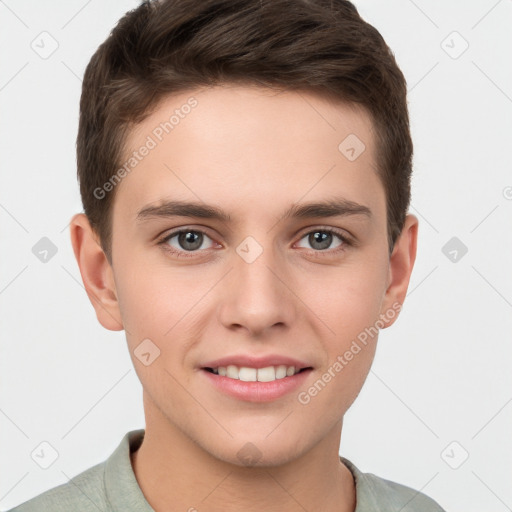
96 271
401 264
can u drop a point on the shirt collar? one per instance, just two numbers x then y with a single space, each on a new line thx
121 486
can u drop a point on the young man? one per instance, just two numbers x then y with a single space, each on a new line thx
245 172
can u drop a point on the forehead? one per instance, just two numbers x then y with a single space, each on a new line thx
239 145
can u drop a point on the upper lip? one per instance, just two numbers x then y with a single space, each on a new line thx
256 362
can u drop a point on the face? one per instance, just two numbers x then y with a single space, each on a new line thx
250 277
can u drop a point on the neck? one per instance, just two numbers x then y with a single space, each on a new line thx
175 473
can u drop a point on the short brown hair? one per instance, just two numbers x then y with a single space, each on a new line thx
170 46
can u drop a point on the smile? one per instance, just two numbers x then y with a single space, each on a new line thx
247 374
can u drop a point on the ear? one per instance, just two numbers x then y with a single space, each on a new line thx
96 271
401 264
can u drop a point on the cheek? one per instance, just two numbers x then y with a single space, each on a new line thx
337 384
166 306
156 309
348 302
153 297
347 299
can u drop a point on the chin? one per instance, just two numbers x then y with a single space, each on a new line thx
255 454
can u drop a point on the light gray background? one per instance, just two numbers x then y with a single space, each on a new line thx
441 374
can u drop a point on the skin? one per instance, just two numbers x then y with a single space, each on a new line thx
252 152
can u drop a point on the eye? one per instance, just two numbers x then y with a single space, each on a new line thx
185 240
322 239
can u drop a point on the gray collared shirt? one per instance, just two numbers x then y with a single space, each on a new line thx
111 486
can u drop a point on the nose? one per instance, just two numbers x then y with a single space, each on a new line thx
258 295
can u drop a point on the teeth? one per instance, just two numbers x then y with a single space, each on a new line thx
281 371
267 374
232 371
246 374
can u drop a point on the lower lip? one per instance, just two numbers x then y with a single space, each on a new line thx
257 391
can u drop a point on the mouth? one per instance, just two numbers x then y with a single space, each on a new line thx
250 384
250 374
256 378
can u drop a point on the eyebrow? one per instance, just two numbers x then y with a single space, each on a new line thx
337 207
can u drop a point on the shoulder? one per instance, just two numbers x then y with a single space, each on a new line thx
85 492
109 485
374 493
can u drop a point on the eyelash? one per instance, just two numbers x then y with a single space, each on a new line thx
346 242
